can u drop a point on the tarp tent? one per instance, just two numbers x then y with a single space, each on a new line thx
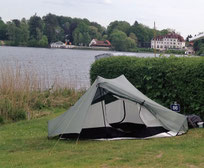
114 108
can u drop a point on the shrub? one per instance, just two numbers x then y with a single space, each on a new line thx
19 114
1 120
164 80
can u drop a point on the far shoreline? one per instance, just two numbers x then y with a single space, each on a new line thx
140 50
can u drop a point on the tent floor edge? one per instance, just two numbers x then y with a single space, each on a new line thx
139 131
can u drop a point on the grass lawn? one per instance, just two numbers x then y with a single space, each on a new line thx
24 144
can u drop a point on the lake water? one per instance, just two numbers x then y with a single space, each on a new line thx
66 64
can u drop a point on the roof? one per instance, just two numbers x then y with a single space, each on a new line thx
170 35
104 43
197 37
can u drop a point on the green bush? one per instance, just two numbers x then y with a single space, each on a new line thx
164 80
20 114
1 120
9 110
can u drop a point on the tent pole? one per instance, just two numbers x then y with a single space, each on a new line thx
124 109
103 111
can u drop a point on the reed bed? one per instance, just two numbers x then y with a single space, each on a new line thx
25 95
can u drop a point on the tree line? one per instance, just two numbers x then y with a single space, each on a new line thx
41 31
199 47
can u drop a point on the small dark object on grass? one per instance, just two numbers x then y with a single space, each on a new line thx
193 120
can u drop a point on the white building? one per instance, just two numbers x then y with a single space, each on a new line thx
97 43
58 44
169 41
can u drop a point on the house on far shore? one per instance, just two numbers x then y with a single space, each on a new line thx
189 50
58 44
99 44
168 41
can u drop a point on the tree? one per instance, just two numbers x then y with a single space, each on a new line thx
35 26
100 29
66 28
118 25
16 22
94 34
14 33
81 34
24 32
18 32
43 42
3 30
188 37
60 35
86 38
11 29
39 34
130 43
77 36
143 33
199 47
201 50
105 37
121 42
33 43
51 25
133 37
72 28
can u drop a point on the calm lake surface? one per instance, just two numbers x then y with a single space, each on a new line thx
69 65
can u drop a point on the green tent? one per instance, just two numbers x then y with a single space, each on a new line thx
115 109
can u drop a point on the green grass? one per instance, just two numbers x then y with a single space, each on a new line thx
24 144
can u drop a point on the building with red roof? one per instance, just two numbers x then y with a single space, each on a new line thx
97 43
168 41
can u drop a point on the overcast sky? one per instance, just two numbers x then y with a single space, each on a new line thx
186 16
